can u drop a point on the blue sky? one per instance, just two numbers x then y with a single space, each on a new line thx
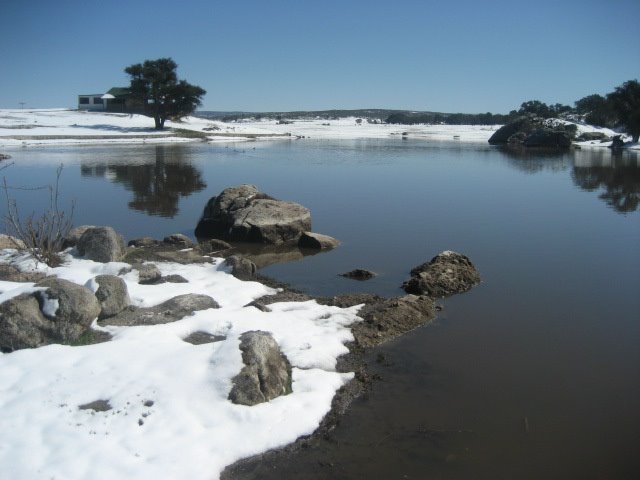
258 55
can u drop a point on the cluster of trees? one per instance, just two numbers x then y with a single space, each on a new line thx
413 118
618 109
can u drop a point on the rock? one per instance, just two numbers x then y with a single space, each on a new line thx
447 273
11 273
72 238
170 311
200 338
179 240
112 294
213 245
267 371
8 241
77 306
172 279
101 244
385 319
4 156
359 274
96 406
547 138
144 242
148 273
317 241
591 136
244 214
241 267
22 324
617 143
520 124
60 313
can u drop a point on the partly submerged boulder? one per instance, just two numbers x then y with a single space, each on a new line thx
101 244
244 214
317 241
266 373
445 274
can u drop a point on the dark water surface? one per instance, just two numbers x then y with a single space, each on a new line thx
533 374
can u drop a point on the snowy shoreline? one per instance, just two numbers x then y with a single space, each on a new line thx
170 415
42 127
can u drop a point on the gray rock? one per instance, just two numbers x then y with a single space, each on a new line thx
200 338
317 241
11 273
241 267
213 245
148 273
7 241
170 311
359 274
77 306
29 321
267 371
592 136
144 242
445 274
172 279
22 324
385 319
96 406
244 214
72 238
101 244
112 294
179 240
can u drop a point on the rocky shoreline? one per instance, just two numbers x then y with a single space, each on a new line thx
382 318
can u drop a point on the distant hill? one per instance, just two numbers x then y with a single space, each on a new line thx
404 117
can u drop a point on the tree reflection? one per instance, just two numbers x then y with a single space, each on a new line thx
158 186
621 184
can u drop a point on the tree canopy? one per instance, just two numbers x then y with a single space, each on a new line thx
625 101
155 84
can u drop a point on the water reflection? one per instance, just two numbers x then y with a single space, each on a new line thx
621 184
158 186
534 161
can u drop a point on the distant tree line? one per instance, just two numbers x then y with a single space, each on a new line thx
413 118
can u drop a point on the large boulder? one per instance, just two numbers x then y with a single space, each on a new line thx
77 306
112 294
266 373
547 138
23 325
445 274
521 124
172 310
60 312
532 131
101 244
244 214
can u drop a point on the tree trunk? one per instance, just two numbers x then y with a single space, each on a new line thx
159 122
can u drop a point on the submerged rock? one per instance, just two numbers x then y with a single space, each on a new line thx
244 214
359 274
445 274
267 371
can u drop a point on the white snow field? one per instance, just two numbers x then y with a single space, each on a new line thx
170 416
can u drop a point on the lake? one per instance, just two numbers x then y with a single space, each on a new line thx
533 374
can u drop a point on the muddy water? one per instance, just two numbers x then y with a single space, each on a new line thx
533 374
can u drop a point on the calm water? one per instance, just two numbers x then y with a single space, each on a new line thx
533 374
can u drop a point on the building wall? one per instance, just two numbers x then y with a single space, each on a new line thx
90 102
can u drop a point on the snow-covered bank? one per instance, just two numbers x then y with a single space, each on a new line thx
170 417
60 126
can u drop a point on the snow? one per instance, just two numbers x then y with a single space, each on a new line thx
190 430
60 126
